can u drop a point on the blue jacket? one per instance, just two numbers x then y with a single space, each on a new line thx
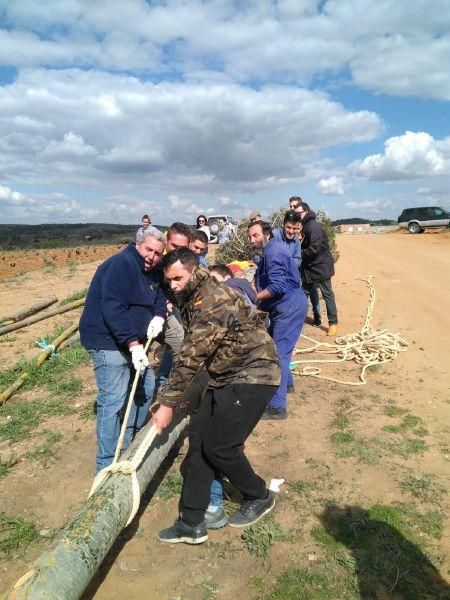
121 301
294 246
278 272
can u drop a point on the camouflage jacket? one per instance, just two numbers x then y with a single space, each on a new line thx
223 335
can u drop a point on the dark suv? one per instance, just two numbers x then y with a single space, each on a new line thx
416 219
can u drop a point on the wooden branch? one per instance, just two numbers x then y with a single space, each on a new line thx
41 317
30 310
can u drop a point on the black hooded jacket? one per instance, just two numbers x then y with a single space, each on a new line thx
317 261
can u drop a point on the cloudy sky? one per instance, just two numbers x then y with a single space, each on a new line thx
113 108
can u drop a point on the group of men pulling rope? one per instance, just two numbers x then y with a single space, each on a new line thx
212 333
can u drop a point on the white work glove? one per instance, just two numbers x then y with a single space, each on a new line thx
138 357
155 327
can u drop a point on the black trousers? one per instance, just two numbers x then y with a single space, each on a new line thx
218 430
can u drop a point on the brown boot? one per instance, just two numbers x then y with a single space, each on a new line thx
332 330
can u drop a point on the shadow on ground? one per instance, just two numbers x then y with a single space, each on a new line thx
388 561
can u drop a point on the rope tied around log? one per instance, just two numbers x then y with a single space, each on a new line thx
367 347
128 467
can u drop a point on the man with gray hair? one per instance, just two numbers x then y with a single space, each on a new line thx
125 305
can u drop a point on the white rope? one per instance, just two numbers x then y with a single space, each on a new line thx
367 347
128 467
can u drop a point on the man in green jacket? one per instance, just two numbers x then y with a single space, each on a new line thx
224 336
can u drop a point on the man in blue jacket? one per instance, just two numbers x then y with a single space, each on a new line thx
280 294
125 304
287 235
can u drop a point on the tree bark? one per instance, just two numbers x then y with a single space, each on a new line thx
64 572
30 310
37 318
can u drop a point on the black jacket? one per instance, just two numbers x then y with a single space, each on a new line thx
317 261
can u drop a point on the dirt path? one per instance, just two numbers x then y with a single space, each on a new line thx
340 447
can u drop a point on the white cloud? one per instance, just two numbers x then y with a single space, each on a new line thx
331 186
42 208
370 205
406 157
171 136
284 40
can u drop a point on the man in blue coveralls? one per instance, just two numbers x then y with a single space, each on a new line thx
287 235
280 294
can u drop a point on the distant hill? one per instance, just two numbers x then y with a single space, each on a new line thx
358 221
52 235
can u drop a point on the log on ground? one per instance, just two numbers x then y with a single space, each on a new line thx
64 572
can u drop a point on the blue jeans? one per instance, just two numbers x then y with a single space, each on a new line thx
286 324
216 498
172 338
113 370
314 297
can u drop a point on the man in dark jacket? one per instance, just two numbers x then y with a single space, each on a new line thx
317 263
125 304
223 335
280 294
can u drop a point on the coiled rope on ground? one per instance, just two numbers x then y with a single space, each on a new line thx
367 347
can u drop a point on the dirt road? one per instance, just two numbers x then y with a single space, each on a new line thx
340 447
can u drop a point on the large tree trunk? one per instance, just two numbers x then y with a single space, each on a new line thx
64 572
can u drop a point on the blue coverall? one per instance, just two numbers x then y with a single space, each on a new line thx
287 308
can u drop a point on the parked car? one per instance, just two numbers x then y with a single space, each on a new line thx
213 224
416 219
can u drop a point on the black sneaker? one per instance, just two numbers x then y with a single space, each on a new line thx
181 532
275 414
216 519
317 320
252 511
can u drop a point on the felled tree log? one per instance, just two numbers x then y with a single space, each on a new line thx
30 310
64 572
41 317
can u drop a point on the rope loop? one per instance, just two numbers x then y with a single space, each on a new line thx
367 347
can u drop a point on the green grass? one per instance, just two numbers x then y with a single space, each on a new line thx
75 296
170 486
394 411
259 538
72 268
16 534
23 417
45 453
6 465
407 447
53 373
424 488
388 546
314 583
408 423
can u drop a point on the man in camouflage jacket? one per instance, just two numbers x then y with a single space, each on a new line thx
224 336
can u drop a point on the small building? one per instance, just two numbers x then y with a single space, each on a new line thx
354 228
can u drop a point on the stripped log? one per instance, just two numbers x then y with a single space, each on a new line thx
4 396
64 572
41 317
29 310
